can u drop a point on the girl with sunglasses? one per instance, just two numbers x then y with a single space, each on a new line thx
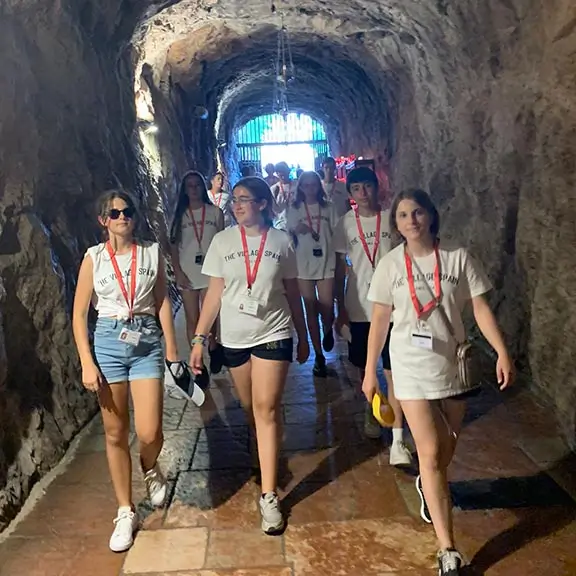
124 277
195 224
311 220
426 282
252 270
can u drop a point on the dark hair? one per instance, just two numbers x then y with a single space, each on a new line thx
182 204
423 200
103 208
260 190
320 197
361 174
329 160
282 166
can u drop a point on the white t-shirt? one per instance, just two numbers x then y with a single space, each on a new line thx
108 299
225 259
284 195
316 259
418 372
338 195
192 254
223 200
347 241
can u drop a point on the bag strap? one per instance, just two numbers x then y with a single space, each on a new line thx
439 305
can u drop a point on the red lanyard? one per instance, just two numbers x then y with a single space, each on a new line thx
129 301
219 199
421 310
251 274
371 258
201 235
317 233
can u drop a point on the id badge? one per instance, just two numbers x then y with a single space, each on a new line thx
317 252
422 337
248 306
199 259
131 337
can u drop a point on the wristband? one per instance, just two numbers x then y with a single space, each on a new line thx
199 339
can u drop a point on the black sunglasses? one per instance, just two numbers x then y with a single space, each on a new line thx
114 213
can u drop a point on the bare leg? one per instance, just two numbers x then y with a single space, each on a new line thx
115 417
308 291
326 302
398 414
191 300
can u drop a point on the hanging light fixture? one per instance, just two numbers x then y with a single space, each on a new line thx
284 72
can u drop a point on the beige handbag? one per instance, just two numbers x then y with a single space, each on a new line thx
468 356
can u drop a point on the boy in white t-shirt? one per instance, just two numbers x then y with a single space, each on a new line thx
284 193
362 236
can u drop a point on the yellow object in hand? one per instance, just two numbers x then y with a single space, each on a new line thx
382 410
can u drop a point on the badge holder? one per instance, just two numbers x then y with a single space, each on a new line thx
317 252
382 410
128 336
249 305
422 337
199 259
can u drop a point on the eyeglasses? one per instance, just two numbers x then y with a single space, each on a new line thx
114 213
242 200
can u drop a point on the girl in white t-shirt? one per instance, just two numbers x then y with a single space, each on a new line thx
311 220
414 280
124 278
195 224
362 237
283 194
253 285
220 197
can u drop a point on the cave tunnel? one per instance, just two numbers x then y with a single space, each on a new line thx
473 101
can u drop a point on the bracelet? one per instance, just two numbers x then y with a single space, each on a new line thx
199 339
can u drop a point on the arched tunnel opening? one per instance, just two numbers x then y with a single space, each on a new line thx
471 101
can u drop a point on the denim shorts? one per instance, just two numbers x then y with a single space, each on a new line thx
122 362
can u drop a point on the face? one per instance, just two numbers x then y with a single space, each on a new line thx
363 193
309 187
412 220
329 170
284 174
194 188
247 210
218 181
119 218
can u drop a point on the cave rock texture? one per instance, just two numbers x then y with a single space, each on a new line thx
473 100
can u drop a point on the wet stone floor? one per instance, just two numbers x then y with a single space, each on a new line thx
350 514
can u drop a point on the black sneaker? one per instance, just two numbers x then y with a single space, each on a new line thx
449 563
319 369
424 512
216 359
328 340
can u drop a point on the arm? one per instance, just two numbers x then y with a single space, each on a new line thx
379 326
82 300
486 321
339 284
164 309
211 306
295 303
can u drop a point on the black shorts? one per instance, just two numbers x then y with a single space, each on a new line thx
358 347
281 350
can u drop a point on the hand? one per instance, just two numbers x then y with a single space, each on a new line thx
92 378
302 350
505 371
341 321
197 358
370 385
302 228
182 280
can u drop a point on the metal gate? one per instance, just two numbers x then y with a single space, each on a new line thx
274 130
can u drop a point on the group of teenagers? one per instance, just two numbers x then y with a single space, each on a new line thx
258 266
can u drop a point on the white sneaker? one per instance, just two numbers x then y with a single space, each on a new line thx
371 427
126 524
272 519
156 486
400 455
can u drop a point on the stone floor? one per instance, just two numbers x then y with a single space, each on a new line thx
350 514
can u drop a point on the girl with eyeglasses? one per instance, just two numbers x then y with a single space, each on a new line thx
426 282
195 224
124 278
253 285
311 220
